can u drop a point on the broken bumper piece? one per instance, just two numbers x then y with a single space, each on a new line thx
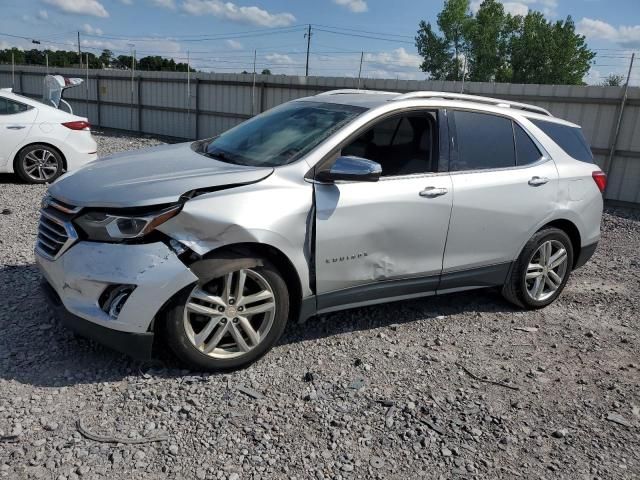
110 290
136 345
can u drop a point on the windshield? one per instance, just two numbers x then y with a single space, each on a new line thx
282 134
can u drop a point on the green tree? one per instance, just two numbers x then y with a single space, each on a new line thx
612 80
266 71
504 48
488 40
442 53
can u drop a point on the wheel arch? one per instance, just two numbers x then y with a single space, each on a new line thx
570 228
16 157
279 259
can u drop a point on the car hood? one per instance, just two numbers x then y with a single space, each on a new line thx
151 176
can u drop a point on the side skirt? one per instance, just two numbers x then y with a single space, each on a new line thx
403 289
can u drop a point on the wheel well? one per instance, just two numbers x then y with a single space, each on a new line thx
280 261
572 231
64 160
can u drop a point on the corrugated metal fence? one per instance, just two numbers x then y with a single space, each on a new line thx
205 104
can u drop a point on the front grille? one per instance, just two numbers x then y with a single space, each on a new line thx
55 230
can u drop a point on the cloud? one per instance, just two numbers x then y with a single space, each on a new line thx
80 7
170 4
43 15
231 11
356 6
522 7
234 45
91 30
625 36
279 59
397 58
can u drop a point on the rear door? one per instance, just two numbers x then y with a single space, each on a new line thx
502 187
384 239
16 120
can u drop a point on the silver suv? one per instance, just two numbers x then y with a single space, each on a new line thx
340 200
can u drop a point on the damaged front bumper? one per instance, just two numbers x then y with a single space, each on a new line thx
88 278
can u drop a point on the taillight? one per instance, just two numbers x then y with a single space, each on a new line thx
78 125
601 180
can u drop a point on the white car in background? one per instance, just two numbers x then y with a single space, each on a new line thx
40 142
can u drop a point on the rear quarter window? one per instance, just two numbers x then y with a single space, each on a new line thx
570 139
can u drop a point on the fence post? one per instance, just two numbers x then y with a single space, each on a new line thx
98 98
139 104
262 100
616 131
20 80
197 108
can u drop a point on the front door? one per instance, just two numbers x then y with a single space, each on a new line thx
385 239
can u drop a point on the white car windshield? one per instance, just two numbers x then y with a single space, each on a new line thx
281 135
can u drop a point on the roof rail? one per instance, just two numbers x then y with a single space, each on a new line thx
351 91
475 98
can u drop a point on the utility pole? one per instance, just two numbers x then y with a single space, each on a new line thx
189 93
79 52
360 71
13 71
308 36
46 57
614 142
253 87
86 85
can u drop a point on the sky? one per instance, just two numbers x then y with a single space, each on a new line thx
217 35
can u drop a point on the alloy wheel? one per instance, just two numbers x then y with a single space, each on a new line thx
40 164
546 271
231 315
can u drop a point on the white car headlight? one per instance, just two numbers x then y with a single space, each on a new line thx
106 227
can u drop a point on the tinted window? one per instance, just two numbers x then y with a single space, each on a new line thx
9 107
484 141
526 150
402 145
282 134
570 139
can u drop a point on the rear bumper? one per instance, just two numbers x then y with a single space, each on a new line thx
586 253
79 149
136 345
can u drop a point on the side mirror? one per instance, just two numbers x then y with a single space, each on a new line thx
354 169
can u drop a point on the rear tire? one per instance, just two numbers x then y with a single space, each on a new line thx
541 271
39 163
209 325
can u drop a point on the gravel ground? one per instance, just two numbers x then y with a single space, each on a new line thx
457 386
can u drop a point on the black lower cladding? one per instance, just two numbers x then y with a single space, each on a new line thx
136 345
586 253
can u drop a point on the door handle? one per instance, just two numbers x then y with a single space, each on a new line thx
537 181
15 127
432 192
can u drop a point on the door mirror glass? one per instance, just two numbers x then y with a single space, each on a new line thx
354 169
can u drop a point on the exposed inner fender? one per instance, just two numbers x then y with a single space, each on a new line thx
208 269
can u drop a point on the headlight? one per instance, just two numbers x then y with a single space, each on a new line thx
106 227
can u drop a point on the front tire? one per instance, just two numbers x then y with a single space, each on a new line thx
542 270
39 163
231 317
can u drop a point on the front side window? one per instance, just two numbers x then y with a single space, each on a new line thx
402 145
281 135
485 141
570 139
9 107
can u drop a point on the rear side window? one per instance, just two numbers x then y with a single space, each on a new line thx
484 141
9 107
570 139
526 150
